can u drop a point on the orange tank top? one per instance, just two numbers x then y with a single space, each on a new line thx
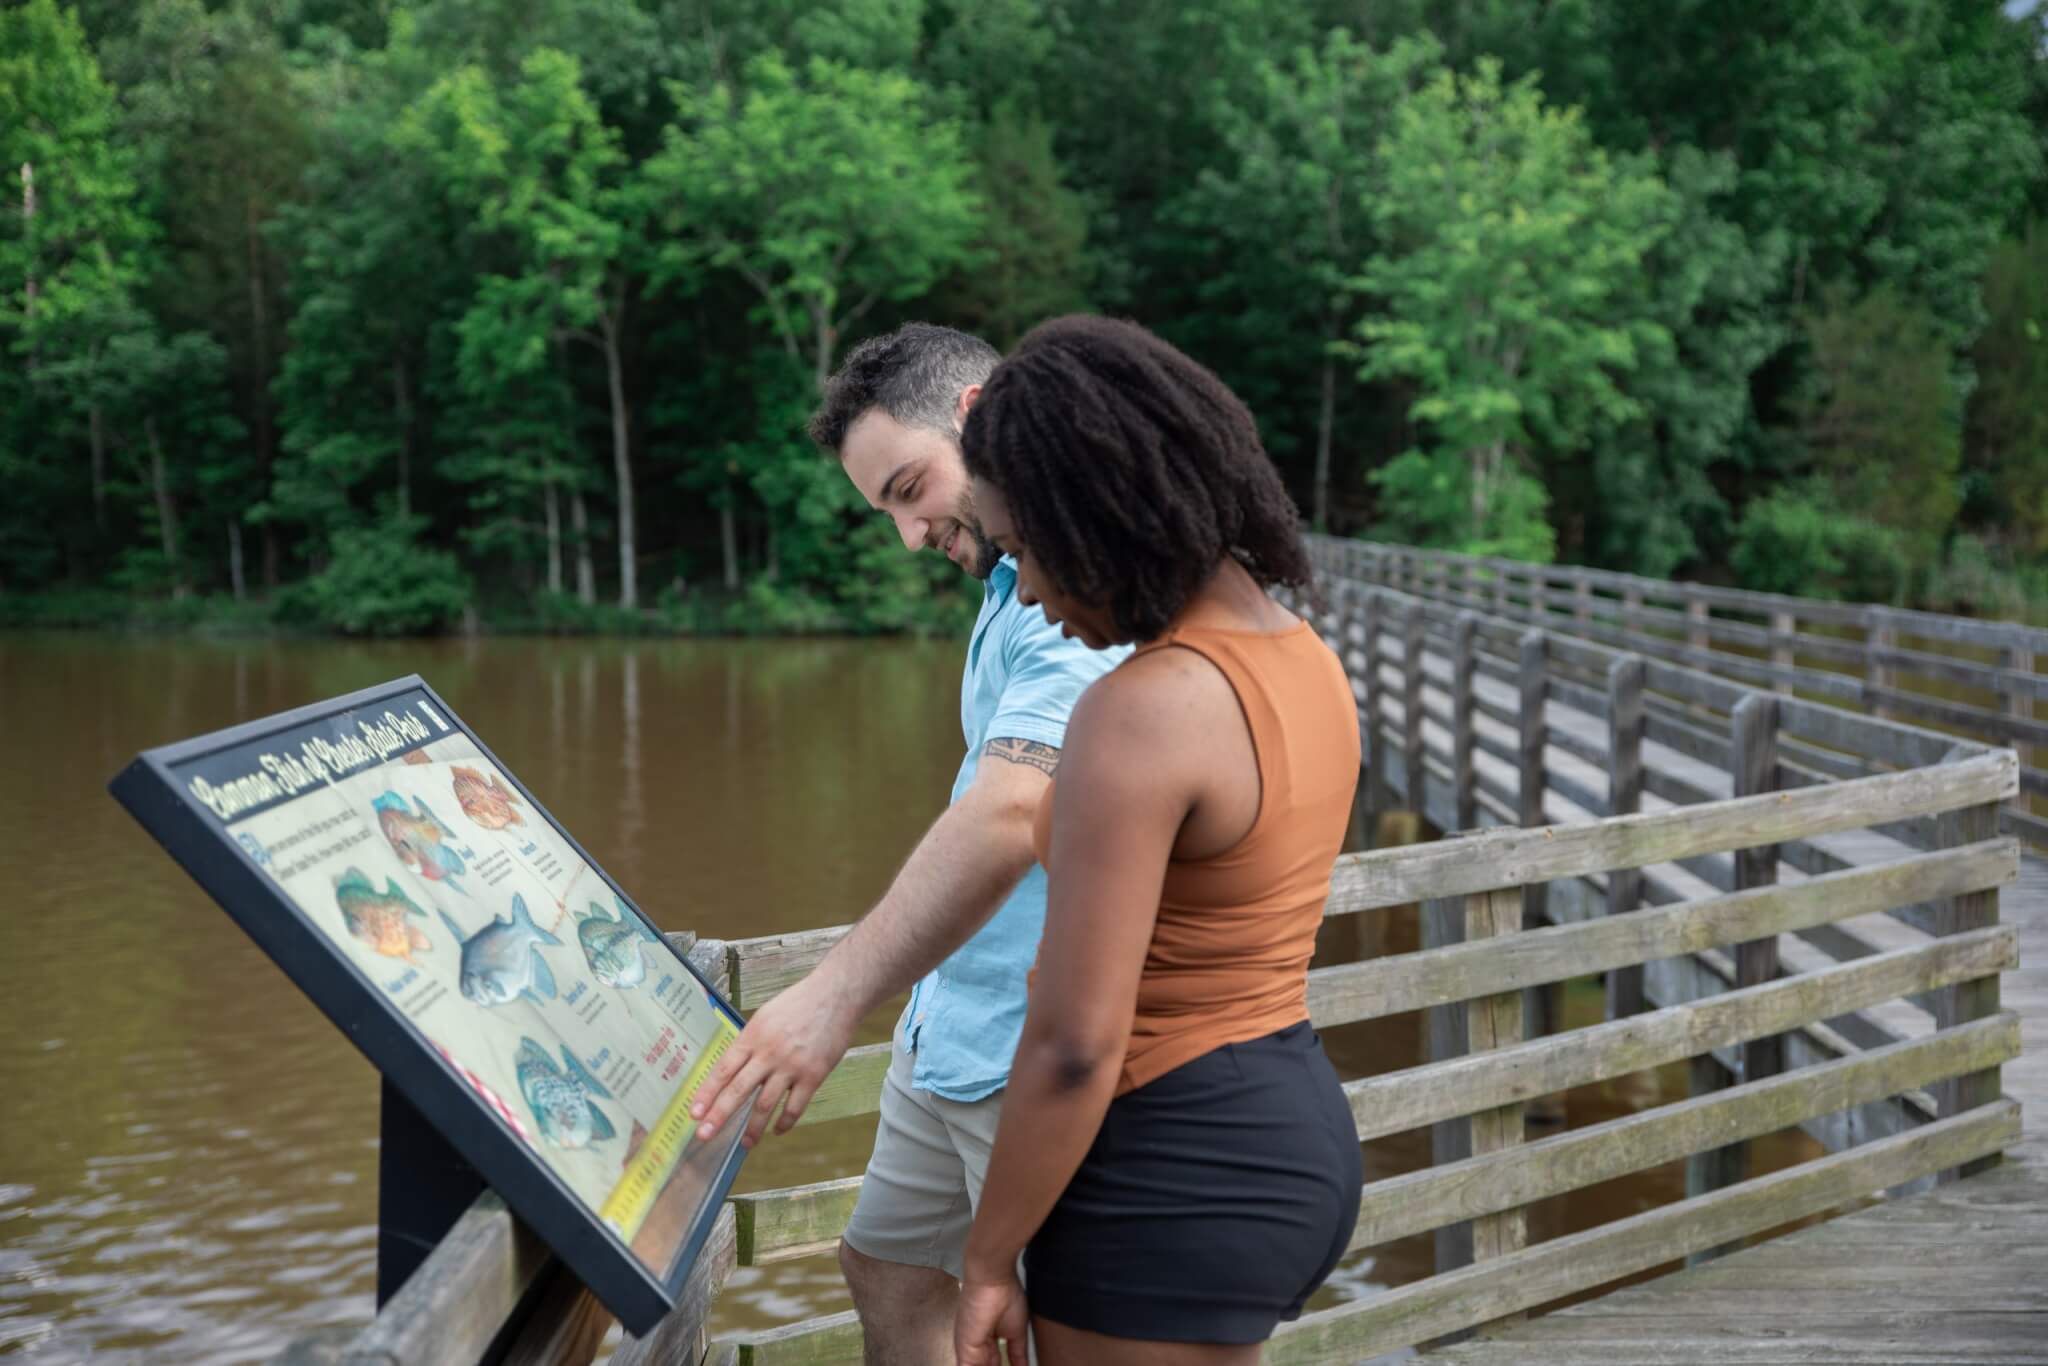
1229 955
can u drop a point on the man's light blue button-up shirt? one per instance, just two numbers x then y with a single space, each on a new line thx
1022 681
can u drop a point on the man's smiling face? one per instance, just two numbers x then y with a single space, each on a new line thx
916 476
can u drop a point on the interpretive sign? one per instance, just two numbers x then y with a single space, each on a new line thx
505 986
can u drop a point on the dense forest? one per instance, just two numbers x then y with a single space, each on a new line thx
395 315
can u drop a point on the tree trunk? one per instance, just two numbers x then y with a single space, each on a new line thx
586 567
1325 416
402 409
729 540
259 387
166 509
28 219
98 431
822 325
622 463
552 506
235 577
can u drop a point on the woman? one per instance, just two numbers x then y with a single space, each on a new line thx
1176 1163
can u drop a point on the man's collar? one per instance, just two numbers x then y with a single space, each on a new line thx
1003 578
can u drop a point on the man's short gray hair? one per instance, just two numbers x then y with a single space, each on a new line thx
914 374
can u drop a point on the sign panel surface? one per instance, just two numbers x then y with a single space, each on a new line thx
414 888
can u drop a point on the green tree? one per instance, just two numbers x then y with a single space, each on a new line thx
221 141
71 255
2008 413
547 181
1508 293
1885 424
826 192
1030 260
1289 209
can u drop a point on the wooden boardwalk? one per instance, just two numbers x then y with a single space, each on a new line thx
1811 910
1955 1274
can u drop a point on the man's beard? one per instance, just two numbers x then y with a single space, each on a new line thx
986 556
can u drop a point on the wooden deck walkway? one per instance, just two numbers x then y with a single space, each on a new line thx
1954 1274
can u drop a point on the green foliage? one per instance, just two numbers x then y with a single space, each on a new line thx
2008 410
1427 498
827 190
549 286
1884 426
1509 281
1798 540
381 581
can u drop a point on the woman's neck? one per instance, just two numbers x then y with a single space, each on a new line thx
1231 599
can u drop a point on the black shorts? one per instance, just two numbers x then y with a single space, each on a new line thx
1214 1201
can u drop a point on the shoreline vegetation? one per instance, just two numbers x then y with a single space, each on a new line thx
403 317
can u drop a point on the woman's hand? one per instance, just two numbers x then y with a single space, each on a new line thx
990 1311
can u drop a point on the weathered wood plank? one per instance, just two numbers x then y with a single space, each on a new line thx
1968 1000
1493 1023
1563 1266
1495 858
1626 730
763 967
680 1336
1407 1099
1386 986
453 1306
1480 1186
1464 720
794 1221
828 1338
853 1088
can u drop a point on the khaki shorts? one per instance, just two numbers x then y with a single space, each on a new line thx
924 1181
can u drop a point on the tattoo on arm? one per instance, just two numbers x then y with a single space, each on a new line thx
1030 753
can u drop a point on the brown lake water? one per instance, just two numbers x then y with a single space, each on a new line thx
188 1147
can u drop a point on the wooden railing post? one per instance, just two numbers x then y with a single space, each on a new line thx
1879 635
1783 626
1967 1001
2019 703
1495 1022
1379 791
1464 722
1411 709
1626 722
1500 590
1541 1005
1696 624
1752 761
1582 600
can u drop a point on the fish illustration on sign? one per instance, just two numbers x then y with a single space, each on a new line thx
417 838
484 800
560 1097
612 944
379 918
502 961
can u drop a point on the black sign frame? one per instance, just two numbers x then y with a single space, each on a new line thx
197 838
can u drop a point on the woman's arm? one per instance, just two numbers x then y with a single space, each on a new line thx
1125 786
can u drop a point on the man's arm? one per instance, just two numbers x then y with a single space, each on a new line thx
953 881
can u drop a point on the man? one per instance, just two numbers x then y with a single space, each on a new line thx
962 919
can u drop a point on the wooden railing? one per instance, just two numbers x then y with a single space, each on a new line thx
1821 943
1979 679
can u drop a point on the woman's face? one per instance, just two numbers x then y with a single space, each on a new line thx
1089 623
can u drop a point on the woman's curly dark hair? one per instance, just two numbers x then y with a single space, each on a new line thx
1130 470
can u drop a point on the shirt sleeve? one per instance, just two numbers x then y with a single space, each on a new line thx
1046 676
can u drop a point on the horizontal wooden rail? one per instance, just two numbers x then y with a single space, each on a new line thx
1380 987
1494 858
1394 1102
1435 1196
1564 1266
